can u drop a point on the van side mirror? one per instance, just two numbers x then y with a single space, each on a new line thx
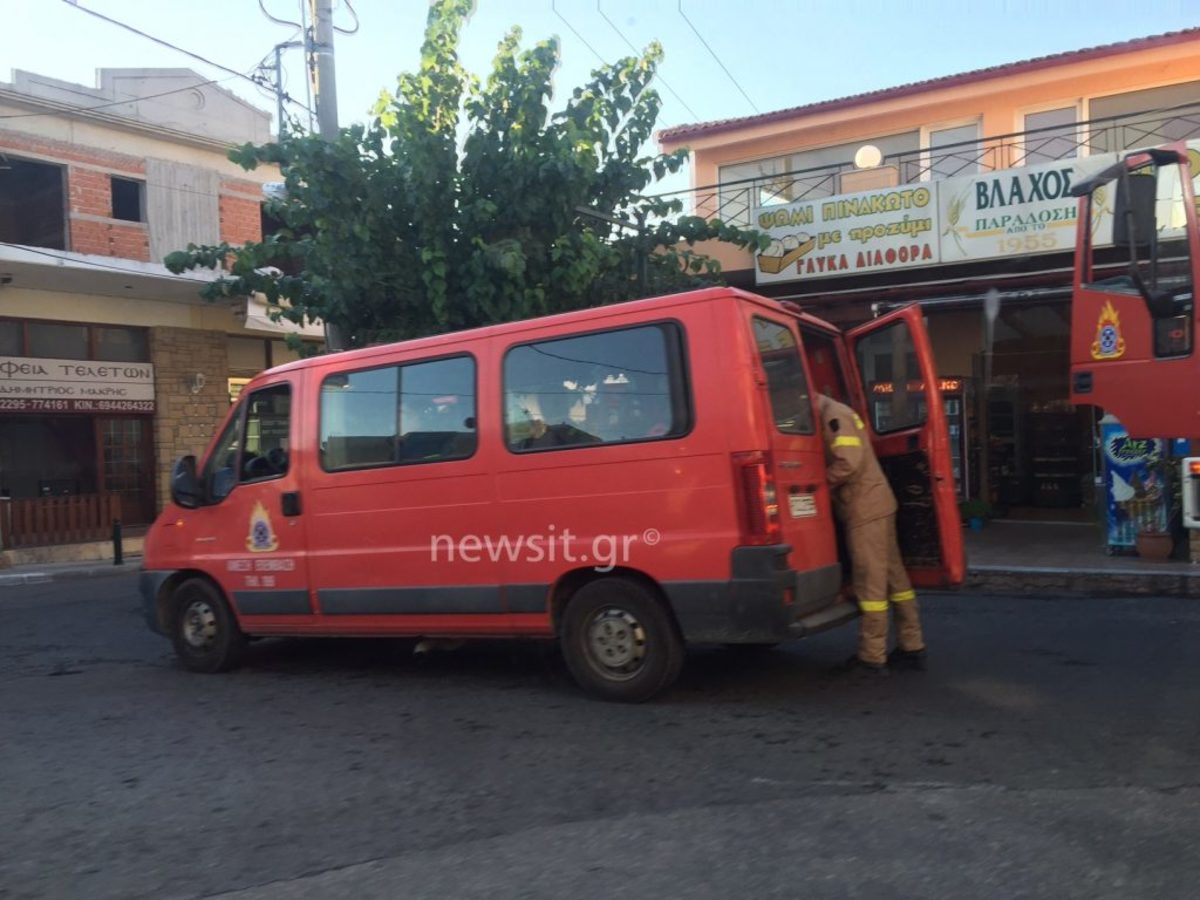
185 488
1134 225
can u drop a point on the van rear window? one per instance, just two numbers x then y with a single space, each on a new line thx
397 415
607 387
780 356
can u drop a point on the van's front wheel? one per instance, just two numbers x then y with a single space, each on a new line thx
619 642
203 628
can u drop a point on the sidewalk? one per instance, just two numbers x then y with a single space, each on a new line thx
40 574
1051 558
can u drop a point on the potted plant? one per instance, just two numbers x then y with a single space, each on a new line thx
975 511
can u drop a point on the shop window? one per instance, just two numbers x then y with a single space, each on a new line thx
601 388
1055 136
115 344
786 384
417 413
47 457
51 340
12 341
128 199
32 207
1151 117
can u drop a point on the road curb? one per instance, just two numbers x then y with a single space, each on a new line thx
1083 583
50 574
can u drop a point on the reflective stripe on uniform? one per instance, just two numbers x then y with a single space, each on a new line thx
846 440
901 596
859 423
869 606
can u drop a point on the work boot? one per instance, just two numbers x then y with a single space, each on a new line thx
858 667
908 659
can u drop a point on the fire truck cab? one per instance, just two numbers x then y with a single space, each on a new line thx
1134 313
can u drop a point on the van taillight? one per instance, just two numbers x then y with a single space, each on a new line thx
758 507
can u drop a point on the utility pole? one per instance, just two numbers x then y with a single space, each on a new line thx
324 81
324 77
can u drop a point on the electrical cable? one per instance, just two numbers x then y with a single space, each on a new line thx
190 87
263 6
353 30
657 75
713 53
595 52
62 258
160 41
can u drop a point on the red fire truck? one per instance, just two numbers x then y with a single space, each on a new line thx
1134 313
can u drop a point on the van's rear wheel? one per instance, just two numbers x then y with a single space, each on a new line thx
619 642
203 628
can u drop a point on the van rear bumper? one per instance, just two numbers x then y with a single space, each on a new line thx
753 606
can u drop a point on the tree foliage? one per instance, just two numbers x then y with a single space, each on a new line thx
460 203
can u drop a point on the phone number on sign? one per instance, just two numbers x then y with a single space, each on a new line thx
146 406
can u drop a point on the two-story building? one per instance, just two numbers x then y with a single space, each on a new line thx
111 366
940 192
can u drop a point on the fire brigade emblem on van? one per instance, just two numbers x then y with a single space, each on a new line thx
1108 344
261 538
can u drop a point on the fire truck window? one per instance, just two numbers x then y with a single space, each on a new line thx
417 413
780 356
887 361
608 387
825 366
268 418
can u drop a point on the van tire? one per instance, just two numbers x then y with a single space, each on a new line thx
203 628
619 641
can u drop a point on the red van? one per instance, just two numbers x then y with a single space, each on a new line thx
627 479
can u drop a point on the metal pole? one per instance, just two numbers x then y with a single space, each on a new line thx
118 549
643 256
326 78
326 100
278 90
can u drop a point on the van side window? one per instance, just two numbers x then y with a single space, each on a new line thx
396 415
825 365
268 417
220 471
887 362
780 356
602 388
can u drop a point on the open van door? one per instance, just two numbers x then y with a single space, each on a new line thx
894 367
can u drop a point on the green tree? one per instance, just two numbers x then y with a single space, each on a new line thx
460 203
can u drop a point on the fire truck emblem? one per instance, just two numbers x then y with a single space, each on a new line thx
261 538
1108 343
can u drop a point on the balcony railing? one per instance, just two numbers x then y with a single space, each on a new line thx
734 201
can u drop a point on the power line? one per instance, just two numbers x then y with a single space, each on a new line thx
353 30
263 6
78 109
657 75
160 41
595 52
713 52
63 258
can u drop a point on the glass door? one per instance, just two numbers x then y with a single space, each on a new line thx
126 468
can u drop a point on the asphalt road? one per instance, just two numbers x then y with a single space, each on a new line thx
1052 751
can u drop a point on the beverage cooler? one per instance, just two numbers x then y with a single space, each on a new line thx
957 403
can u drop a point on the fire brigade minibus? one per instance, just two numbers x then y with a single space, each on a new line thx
628 480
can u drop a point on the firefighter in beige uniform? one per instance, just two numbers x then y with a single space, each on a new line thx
864 502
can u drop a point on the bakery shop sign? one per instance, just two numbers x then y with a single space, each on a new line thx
868 231
30 385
